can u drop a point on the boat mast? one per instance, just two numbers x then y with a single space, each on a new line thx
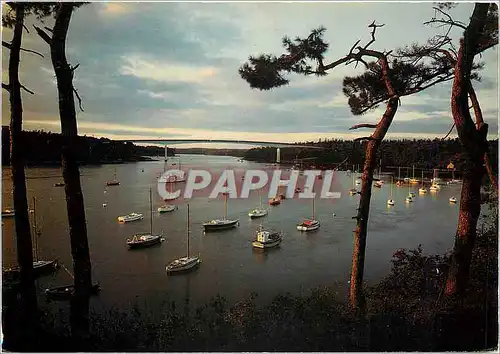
225 204
399 173
151 211
313 208
188 231
35 233
413 171
392 180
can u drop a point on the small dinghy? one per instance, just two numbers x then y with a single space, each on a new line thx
186 263
267 239
390 202
274 201
130 217
453 200
167 208
66 292
59 184
408 199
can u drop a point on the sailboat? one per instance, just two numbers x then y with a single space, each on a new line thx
114 181
175 179
185 263
413 180
40 266
258 212
390 202
353 191
409 198
142 240
435 182
309 224
221 224
422 190
399 182
267 238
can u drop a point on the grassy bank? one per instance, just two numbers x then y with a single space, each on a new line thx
405 311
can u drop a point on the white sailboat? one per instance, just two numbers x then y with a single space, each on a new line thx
309 224
186 263
40 266
435 182
258 212
130 217
422 189
409 198
413 180
224 223
146 239
353 191
390 202
114 181
176 179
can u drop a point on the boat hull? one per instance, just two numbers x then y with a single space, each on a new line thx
266 245
125 219
143 244
257 215
308 228
112 183
184 268
66 292
217 227
166 210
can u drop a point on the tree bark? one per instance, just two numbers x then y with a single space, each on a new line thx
474 143
356 298
479 121
71 174
21 217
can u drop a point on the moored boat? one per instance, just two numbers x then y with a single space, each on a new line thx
167 208
267 239
67 291
224 223
186 263
309 224
274 201
59 184
143 240
130 217
453 200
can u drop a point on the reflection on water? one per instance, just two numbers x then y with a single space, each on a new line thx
230 266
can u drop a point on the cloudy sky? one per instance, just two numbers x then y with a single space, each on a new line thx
150 70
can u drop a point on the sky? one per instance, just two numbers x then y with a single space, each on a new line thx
170 70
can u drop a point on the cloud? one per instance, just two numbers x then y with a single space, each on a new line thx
164 72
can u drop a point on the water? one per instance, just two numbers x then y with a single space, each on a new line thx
230 267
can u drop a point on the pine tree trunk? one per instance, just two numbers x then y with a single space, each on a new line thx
474 143
71 174
356 298
21 218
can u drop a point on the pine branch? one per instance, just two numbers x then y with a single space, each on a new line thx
43 35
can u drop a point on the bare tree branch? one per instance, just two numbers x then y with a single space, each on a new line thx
451 129
27 90
363 125
6 87
9 46
79 99
43 35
